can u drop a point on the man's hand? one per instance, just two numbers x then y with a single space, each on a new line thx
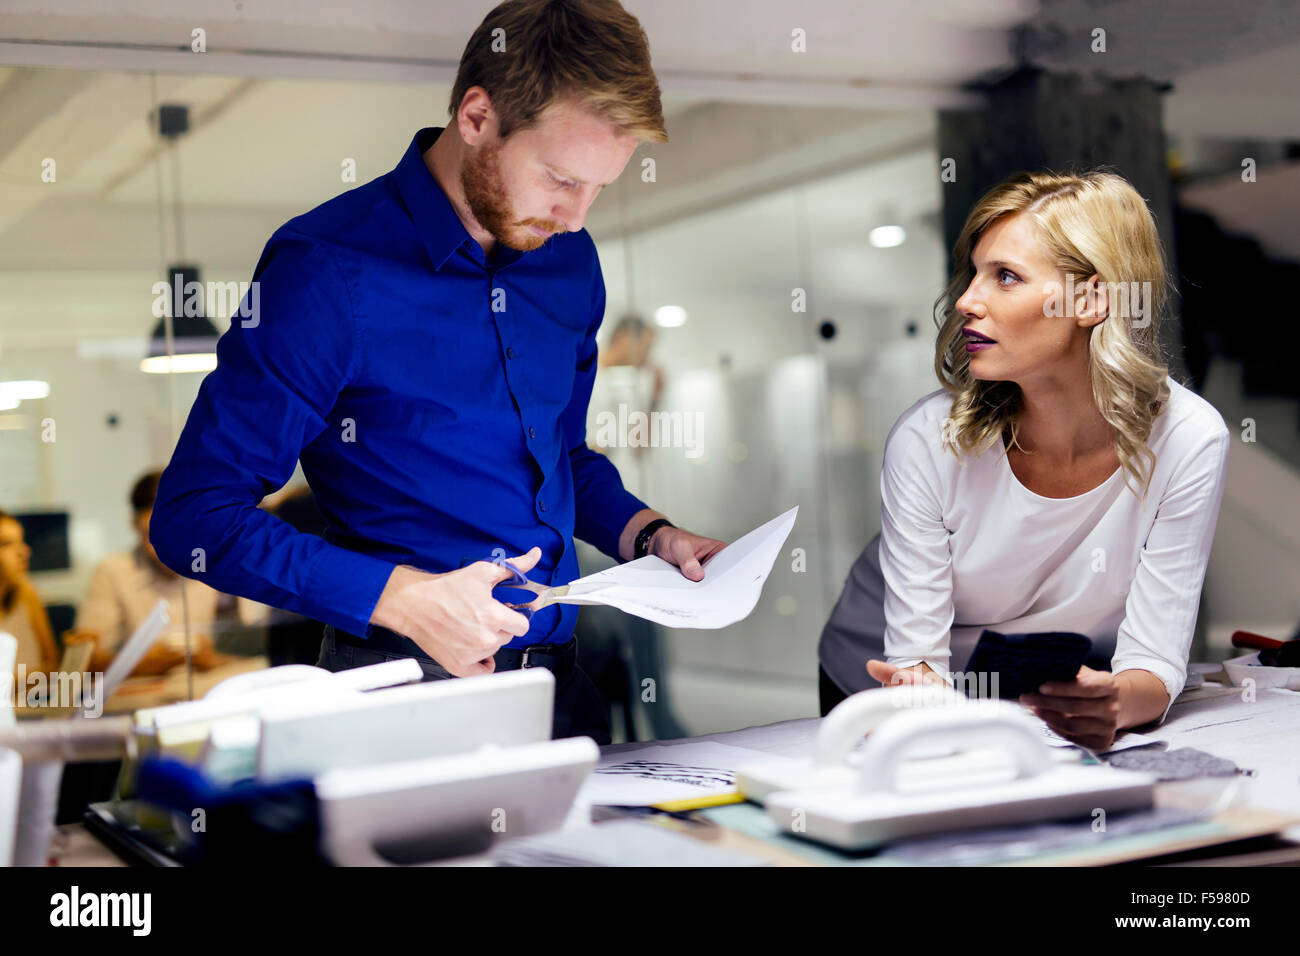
677 546
687 551
1085 711
891 675
453 617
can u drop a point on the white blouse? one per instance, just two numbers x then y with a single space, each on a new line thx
965 546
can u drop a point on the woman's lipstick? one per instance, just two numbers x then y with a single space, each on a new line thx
976 342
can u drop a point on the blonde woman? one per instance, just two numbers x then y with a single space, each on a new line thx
1060 481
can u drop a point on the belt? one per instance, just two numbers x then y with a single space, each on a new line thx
560 659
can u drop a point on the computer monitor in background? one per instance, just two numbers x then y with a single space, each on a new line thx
46 533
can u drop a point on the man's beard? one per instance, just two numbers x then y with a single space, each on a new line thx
485 192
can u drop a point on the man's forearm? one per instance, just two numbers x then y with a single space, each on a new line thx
627 539
1142 697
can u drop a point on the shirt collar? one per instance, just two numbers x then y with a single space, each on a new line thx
432 212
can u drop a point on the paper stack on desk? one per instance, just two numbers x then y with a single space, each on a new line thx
645 776
657 591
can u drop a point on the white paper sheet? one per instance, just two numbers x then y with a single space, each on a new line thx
657 591
650 775
1123 741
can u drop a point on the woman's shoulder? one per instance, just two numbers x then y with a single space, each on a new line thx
927 413
920 429
1187 421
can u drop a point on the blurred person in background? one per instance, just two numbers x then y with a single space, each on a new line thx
620 650
625 375
127 585
21 612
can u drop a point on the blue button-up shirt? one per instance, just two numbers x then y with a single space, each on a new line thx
437 401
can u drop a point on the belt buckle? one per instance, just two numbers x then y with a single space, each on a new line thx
527 652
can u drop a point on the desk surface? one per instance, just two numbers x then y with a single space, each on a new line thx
1257 734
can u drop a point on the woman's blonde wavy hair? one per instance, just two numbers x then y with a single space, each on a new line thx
1090 223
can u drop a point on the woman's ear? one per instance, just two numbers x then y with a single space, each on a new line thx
1091 303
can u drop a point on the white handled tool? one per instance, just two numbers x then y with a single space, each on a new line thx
833 762
1021 782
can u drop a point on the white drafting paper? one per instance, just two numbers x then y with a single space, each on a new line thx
650 775
657 591
1123 741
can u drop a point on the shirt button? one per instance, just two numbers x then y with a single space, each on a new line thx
510 352
542 505
532 432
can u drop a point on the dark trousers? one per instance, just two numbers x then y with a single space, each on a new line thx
828 692
580 710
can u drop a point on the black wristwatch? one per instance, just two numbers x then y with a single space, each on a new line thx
645 534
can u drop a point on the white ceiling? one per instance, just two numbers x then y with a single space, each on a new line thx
289 90
1251 97
927 42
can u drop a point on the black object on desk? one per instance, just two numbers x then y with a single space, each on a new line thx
117 826
1286 654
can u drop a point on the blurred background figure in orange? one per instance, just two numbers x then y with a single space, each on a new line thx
21 612
127 584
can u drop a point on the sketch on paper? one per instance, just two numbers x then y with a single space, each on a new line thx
673 773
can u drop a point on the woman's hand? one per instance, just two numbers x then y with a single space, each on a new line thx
1084 711
891 675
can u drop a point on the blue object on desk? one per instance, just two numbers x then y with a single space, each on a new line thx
271 823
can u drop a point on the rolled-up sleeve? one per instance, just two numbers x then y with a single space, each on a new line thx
278 374
915 555
602 506
1162 604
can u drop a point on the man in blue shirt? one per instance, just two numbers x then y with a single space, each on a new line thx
425 344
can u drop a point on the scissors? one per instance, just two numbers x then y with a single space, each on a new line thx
546 594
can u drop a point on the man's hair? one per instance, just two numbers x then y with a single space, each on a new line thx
529 53
144 491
